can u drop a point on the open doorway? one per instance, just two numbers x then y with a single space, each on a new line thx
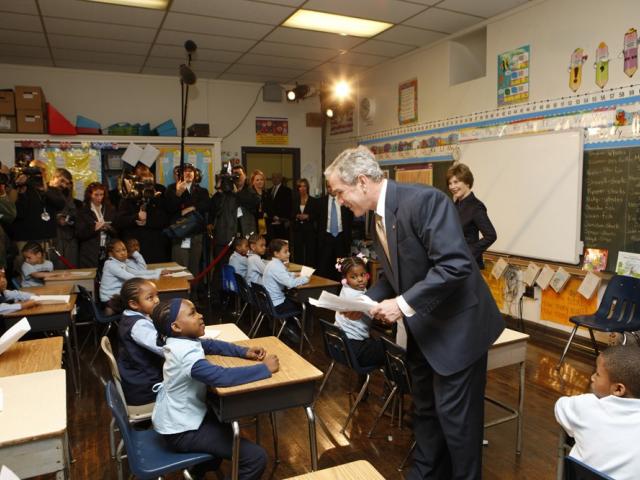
271 160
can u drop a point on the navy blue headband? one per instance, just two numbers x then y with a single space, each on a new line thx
174 308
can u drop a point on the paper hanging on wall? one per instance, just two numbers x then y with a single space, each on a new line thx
589 285
630 52
408 102
132 154
578 57
545 277
8 153
559 279
530 274
602 65
513 76
149 155
498 269
628 264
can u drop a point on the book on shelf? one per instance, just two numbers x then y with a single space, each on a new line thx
595 259
545 277
498 268
589 285
530 274
559 279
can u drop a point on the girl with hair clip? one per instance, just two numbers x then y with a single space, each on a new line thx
369 351
140 359
180 414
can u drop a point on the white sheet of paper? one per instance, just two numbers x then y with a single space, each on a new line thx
80 274
339 304
186 243
210 332
180 274
51 299
149 155
589 285
307 271
8 152
5 472
14 334
132 154
175 268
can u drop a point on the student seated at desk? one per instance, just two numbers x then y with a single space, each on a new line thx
115 272
276 278
368 351
606 423
180 414
13 300
255 263
238 259
35 268
140 359
135 260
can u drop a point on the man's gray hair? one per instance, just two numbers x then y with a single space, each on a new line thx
354 162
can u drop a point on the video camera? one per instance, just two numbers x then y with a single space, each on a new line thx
137 188
225 179
33 174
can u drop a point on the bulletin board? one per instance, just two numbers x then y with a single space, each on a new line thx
495 286
558 307
199 156
83 163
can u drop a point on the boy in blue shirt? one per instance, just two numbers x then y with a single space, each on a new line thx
238 259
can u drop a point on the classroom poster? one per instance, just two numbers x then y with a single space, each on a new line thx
496 287
82 162
342 121
558 307
421 175
513 76
408 102
200 157
272 131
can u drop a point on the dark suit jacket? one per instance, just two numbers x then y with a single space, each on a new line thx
456 318
347 221
280 205
474 220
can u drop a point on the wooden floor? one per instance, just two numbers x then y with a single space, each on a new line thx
89 421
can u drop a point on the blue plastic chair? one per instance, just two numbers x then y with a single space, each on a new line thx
247 296
146 451
86 303
338 349
619 312
230 286
576 470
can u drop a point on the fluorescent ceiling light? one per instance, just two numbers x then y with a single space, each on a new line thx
340 24
155 4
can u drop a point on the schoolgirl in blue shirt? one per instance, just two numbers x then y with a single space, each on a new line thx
276 278
135 260
238 259
140 359
13 300
255 263
180 414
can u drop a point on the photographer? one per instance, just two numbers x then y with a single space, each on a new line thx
142 214
248 201
65 243
7 215
223 212
185 198
36 208
93 226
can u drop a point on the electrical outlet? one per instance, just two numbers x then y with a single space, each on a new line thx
529 292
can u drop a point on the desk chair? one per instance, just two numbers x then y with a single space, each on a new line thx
576 470
397 375
619 312
86 304
266 306
339 350
147 452
230 287
135 413
246 295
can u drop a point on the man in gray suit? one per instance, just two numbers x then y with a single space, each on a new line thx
433 290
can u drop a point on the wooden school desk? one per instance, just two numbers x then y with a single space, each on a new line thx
56 317
33 437
85 277
292 386
32 356
359 470
509 349
172 287
313 289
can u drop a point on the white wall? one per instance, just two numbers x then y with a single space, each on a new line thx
553 29
110 97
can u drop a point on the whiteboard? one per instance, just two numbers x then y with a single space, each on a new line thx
532 188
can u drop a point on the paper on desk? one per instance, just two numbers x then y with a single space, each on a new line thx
80 274
307 271
210 332
180 274
175 268
14 334
340 304
5 472
51 299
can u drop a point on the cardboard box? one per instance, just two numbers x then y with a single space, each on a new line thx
7 124
29 98
30 121
7 103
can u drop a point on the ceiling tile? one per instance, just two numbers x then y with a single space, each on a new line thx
296 51
233 28
81 28
33 39
486 8
238 9
387 49
284 62
17 21
102 12
83 65
172 37
60 54
247 78
393 11
313 77
443 20
24 51
173 51
410 36
18 60
167 72
297 36
363 59
98 44
426 2
19 6
336 70
197 66
265 71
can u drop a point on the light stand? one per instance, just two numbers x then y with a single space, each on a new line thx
187 78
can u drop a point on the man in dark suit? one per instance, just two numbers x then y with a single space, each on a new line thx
433 290
279 207
334 236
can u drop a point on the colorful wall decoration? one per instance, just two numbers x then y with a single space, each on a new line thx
272 131
513 76
408 102
84 163
201 157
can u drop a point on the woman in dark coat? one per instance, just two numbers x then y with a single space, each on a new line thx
93 226
306 211
473 213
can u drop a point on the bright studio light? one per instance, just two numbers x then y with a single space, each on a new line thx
291 95
329 113
341 90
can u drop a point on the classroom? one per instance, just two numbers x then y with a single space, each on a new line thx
319 239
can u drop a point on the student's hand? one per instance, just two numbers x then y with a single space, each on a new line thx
272 363
29 304
165 272
255 353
